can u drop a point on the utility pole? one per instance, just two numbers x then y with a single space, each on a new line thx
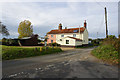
106 22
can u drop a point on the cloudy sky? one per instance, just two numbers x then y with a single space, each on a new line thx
46 16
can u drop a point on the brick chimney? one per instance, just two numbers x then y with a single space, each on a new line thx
85 24
60 26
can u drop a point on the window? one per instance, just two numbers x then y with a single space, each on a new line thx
51 35
51 41
62 35
60 39
67 41
75 31
74 35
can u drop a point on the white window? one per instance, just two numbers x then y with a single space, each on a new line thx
51 35
62 35
74 35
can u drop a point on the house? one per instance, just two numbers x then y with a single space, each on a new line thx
69 37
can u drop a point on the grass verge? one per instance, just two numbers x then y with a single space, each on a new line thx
12 52
107 53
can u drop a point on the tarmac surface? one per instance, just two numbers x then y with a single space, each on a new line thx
72 63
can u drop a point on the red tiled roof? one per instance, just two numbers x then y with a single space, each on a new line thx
75 38
71 30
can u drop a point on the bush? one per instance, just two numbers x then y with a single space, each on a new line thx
96 42
12 52
54 44
4 41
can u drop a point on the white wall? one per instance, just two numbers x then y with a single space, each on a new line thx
85 37
58 36
71 41
78 43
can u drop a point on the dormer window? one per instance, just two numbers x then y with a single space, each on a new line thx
75 31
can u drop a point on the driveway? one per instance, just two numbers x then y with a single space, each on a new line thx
72 63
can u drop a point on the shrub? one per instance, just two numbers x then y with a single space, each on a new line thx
4 41
54 44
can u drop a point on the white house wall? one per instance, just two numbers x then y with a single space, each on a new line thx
85 37
78 43
71 42
58 36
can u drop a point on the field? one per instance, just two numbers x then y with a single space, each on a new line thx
13 52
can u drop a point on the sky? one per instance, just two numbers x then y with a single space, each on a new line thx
46 16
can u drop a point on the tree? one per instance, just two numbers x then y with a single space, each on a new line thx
3 30
25 29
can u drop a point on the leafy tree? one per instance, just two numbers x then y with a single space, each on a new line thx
25 29
3 30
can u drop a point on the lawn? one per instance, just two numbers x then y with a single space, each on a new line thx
13 52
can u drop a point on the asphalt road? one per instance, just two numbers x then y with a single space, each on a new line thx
73 63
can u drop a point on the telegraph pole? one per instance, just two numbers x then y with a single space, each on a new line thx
106 22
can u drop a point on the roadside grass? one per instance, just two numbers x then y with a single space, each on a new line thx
13 52
107 53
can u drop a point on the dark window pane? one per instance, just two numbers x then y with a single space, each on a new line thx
67 41
51 41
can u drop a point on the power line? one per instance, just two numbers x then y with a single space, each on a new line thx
101 24
99 4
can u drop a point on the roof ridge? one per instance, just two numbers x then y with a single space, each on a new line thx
69 28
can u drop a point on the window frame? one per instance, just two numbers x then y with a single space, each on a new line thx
62 35
52 35
67 41
74 34
51 41
60 39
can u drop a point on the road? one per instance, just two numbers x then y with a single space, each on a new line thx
72 63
